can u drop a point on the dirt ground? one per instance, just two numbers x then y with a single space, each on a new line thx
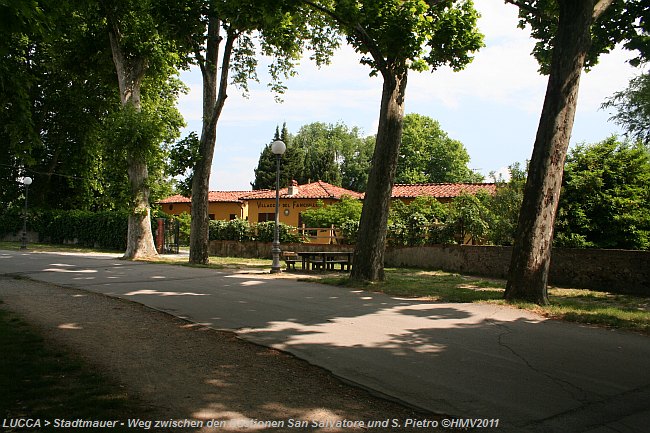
187 371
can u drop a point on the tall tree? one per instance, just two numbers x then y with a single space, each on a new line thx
357 158
290 168
633 108
396 36
572 34
333 153
143 41
229 30
56 87
428 154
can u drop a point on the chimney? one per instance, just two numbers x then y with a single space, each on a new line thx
293 188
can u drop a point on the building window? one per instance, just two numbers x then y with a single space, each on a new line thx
171 207
211 216
263 217
232 216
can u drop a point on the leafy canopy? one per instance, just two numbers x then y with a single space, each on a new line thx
605 201
624 21
407 34
428 154
633 108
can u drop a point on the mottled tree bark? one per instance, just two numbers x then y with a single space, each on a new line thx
130 73
531 256
371 240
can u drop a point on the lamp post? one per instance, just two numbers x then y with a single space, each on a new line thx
278 148
23 242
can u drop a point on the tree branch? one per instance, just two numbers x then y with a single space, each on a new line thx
601 7
525 6
357 30
225 69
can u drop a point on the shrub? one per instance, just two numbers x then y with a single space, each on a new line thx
265 232
89 229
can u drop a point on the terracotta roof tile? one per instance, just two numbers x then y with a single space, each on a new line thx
440 190
314 190
175 199
226 196
323 190
213 197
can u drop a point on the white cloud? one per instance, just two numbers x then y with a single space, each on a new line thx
493 106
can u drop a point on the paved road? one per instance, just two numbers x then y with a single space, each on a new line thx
465 360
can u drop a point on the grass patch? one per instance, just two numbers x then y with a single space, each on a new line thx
38 381
575 305
218 262
52 248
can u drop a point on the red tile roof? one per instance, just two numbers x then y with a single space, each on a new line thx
175 199
315 190
213 197
323 190
440 190
226 196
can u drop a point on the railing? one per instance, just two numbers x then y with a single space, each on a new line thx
320 235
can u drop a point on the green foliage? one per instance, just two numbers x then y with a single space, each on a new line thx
605 201
241 230
107 229
264 232
184 224
182 156
290 163
332 153
469 217
505 206
349 230
428 154
233 230
347 209
418 223
410 34
624 21
633 108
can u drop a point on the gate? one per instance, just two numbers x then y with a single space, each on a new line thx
167 236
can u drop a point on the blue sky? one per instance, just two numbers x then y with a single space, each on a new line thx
492 107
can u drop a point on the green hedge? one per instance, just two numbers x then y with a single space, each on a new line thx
106 230
241 230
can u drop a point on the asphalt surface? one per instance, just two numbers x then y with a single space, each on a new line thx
473 361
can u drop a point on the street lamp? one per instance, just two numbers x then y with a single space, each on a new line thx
23 242
278 148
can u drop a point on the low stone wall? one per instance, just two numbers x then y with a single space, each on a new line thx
620 271
262 250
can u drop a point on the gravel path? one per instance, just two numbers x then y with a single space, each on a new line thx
187 371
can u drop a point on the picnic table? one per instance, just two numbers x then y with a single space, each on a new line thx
326 260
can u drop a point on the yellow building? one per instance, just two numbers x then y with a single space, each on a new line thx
259 206
222 205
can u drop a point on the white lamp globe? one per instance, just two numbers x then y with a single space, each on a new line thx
278 147
27 181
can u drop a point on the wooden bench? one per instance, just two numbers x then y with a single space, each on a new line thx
330 263
290 258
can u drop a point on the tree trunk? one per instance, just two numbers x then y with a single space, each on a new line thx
531 255
371 239
130 73
213 102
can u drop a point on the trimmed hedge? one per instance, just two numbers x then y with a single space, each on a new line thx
106 229
241 230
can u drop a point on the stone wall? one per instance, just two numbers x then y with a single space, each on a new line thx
262 250
620 271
